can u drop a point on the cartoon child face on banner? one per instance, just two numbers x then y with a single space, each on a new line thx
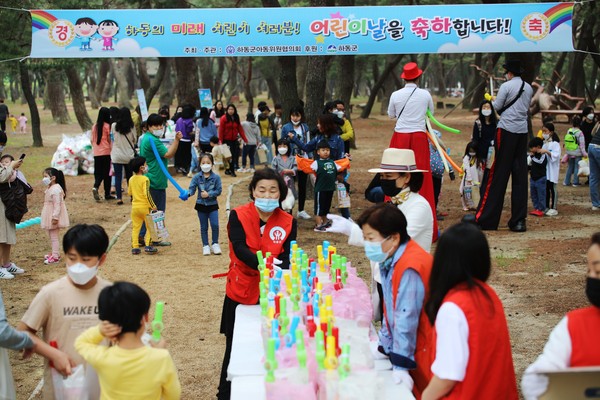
85 28
108 29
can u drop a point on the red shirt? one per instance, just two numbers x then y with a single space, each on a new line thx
229 130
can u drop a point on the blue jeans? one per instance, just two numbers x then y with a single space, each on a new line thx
119 178
248 152
267 141
159 196
572 169
194 165
594 160
538 193
205 218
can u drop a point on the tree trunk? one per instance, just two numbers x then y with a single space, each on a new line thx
142 73
167 87
91 85
205 65
247 80
36 133
555 78
233 74
56 96
288 84
103 72
108 87
273 89
301 72
218 78
163 66
121 68
2 89
187 83
316 81
378 85
76 89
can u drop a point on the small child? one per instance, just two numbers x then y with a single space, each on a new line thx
63 309
209 187
575 147
54 212
141 203
552 146
252 131
472 175
221 155
325 185
285 164
128 369
13 123
23 123
537 179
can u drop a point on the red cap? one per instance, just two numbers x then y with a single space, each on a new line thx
411 71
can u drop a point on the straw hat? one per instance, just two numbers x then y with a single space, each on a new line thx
411 71
397 160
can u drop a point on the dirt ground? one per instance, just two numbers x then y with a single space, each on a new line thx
539 274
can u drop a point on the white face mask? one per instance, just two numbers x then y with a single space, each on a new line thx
158 132
486 113
295 123
340 114
545 135
282 150
46 181
206 168
590 116
472 154
1 149
81 273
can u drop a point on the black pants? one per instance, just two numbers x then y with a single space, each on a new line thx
302 182
437 188
205 148
102 173
235 154
551 193
224 392
183 155
3 125
510 162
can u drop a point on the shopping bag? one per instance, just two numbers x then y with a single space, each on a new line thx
155 222
72 387
468 196
7 388
261 153
342 196
491 156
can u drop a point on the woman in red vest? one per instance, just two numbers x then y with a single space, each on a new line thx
473 357
258 225
404 270
574 341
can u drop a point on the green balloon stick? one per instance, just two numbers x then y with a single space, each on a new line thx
444 127
157 323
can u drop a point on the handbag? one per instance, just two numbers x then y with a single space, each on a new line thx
135 153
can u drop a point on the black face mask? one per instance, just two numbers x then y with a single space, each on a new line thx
389 187
592 290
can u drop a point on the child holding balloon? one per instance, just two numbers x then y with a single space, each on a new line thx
54 212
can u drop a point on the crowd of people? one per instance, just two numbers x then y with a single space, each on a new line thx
441 323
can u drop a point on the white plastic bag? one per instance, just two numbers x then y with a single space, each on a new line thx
7 388
72 387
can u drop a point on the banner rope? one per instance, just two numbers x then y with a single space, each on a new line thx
21 59
13 8
586 52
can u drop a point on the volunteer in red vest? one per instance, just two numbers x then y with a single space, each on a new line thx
258 225
473 357
574 341
405 267
408 106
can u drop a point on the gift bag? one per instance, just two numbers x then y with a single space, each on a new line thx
342 196
491 156
261 154
155 222
468 196
72 387
7 388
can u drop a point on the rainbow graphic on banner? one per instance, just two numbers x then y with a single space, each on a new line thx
41 19
558 14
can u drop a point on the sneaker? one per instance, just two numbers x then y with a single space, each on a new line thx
95 194
251 170
320 228
303 215
538 213
216 249
190 174
551 212
13 269
594 208
51 260
566 184
161 244
206 250
111 197
150 250
46 256
227 172
136 251
576 185
328 224
4 274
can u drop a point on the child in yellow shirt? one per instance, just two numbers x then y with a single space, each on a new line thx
129 369
13 123
141 203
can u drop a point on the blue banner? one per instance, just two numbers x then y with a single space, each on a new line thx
524 27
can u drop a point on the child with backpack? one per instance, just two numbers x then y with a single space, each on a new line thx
575 147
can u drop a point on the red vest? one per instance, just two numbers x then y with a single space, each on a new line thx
490 373
584 325
242 281
421 261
